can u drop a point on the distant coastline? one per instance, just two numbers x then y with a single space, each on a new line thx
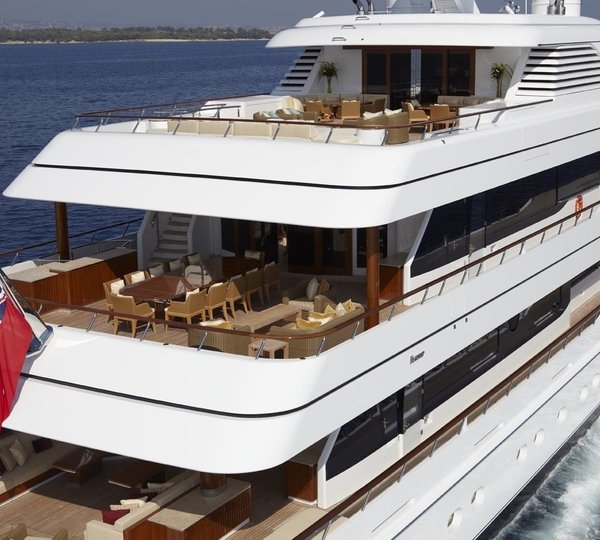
119 35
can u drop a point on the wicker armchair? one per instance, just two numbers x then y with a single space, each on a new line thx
236 292
125 305
415 116
350 109
193 306
112 287
272 279
441 115
136 277
217 299
254 285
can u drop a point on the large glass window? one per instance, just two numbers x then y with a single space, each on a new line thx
459 74
377 81
402 86
432 78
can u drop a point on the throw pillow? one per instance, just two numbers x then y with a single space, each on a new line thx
7 460
41 444
218 323
349 305
110 516
18 452
311 289
340 309
367 114
316 316
307 325
321 321
324 287
124 506
157 270
329 310
188 294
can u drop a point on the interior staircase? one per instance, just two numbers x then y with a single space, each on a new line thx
172 242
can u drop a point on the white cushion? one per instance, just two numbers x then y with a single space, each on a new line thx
139 501
389 112
311 289
368 114
340 309
116 286
176 265
157 270
7 459
18 452
214 322
322 321
159 487
194 258
124 506
138 276
188 294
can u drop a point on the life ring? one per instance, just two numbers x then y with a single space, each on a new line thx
578 204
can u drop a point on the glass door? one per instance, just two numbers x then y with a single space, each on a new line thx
319 251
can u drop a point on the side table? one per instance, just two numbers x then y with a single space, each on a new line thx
271 347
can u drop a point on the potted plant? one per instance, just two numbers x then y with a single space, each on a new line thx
328 70
498 72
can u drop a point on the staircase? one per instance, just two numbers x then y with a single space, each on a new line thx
295 79
172 242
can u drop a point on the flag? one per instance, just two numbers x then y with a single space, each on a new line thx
15 337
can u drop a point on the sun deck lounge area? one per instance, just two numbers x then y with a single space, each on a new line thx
330 118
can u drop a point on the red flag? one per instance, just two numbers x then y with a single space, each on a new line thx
15 337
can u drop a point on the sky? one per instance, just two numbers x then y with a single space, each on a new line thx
247 13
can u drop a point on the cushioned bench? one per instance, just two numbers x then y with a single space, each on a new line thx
462 101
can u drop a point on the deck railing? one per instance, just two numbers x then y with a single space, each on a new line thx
414 297
126 225
359 500
188 111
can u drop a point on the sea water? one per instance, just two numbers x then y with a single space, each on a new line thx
42 87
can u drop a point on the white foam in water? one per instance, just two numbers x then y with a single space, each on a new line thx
567 505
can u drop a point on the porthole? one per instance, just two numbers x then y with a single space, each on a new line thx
596 381
455 520
539 437
562 415
478 497
522 454
584 393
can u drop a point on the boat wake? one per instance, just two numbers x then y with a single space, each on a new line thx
567 504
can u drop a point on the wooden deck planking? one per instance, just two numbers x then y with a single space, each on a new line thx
270 506
61 503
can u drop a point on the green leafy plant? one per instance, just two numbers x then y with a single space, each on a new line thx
328 70
498 72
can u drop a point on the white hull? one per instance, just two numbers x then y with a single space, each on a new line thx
494 458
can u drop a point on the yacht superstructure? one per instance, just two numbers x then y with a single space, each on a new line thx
474 235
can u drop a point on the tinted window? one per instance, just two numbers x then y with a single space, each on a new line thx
376 73
579 175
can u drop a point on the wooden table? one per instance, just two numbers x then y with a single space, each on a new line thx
271 346
136 473
266 317
160 288
80 464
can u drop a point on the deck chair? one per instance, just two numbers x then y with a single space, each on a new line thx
441 115
112 287
216 298
236 292
193 306
272 279
124 306
254 285
135 277
415 116
350 109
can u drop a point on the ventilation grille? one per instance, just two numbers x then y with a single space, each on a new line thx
555 71
295 79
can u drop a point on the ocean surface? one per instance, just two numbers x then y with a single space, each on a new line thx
42 87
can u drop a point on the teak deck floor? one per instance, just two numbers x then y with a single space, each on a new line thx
60 503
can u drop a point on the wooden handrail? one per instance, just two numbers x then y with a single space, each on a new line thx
452 424
50 242
109 116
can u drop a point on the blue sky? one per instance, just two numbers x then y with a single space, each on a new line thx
263 13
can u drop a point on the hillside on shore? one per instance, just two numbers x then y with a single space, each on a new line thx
66 35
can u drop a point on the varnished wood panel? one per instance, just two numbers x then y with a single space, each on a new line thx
301 481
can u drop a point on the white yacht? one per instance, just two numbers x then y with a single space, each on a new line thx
453 172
